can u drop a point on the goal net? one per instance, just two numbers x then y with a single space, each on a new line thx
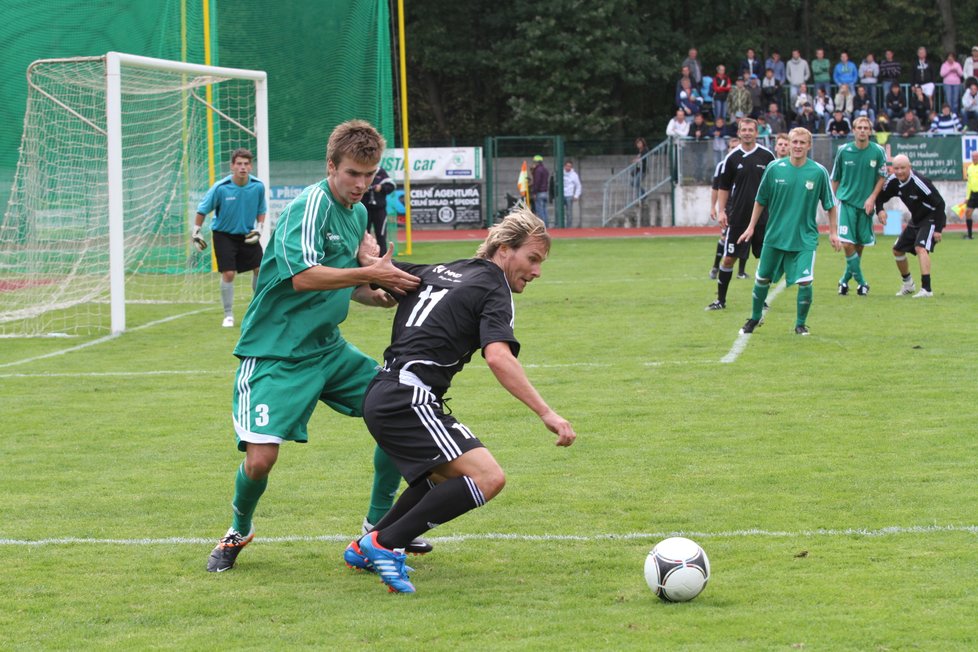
117 152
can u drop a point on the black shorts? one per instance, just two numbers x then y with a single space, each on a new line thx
410 425
916 236
973 200
233 254
743 250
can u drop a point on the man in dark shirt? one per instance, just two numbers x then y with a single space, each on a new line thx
839 126
890 68
894 103
740 175
458 308
540 188
927 220
923 73
375 199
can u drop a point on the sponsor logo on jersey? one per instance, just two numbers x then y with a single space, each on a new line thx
332 237
809 185
444 271
872 164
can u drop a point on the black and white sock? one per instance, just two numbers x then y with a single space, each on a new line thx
444 502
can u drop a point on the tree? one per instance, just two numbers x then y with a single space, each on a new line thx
608 69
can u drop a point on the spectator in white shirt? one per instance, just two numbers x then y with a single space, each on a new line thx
572 192
678 127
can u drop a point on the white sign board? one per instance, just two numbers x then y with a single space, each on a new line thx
435 163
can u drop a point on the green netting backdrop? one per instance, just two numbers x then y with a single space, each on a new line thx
327 60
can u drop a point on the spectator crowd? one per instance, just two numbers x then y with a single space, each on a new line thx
917 98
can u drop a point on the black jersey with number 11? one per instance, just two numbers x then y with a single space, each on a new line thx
458 308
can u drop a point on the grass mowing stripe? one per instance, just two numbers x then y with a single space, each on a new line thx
96 374
101 340
893 530
802 450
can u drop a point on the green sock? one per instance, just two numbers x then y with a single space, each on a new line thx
804 303
757 299
386 481
854 268
246 495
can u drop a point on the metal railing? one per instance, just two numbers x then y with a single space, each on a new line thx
627 189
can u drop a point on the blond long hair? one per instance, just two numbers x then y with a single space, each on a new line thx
514 231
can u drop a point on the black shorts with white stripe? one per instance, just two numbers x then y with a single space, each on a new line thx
916 236
410 425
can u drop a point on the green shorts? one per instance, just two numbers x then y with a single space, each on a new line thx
855 227
795 266
274 399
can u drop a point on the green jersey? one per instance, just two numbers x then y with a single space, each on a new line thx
791 195
820 70
857 171
281 323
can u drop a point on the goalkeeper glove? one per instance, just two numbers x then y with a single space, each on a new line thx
253 236
199 242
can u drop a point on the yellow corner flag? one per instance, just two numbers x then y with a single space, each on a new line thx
958 209
523 184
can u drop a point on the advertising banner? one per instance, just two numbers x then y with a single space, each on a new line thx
443 204
434 164
936 157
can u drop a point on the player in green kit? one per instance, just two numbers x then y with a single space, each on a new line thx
857 178
791 190
291 352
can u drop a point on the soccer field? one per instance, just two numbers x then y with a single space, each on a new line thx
830 478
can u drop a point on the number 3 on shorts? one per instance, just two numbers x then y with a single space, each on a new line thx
261 412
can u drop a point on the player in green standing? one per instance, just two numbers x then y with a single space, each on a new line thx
791 190
291 352
857 178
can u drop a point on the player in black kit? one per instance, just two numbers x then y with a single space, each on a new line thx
927 220
458 308
740 176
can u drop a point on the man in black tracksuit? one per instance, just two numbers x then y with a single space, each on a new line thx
375 199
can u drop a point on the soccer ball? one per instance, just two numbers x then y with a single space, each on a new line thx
677 569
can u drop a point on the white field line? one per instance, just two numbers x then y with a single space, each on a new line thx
100 340
741 342
895 530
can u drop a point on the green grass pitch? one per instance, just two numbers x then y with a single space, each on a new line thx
830 478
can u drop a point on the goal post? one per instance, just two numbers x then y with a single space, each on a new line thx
116 153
